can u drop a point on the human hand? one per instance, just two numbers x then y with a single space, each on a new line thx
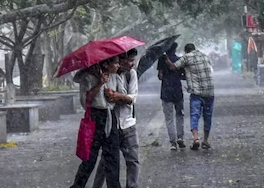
104 78
108 92
167 59
160 75
111 95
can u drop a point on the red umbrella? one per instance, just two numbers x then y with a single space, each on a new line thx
94 52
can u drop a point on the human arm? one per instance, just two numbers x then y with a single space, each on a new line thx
89 87
133 86
114 96
181 63
160 75
161 62
122 95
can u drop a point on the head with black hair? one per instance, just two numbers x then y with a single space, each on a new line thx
189 48
131 53
172 49
127 60
110 65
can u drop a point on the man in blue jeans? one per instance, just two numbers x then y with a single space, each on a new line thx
200 84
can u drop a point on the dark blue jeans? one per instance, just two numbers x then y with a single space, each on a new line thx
199 105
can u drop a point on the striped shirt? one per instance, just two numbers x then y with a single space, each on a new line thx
198 72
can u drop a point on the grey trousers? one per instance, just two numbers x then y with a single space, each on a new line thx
174 113
129 145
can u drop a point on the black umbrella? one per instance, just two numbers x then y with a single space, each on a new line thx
153 53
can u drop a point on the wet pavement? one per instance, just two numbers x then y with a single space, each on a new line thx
46 158
236 157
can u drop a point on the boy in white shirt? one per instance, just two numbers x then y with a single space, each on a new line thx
124 109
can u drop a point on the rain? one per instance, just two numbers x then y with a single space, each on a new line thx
135 94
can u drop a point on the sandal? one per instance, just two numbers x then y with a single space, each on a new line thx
195 145
205 145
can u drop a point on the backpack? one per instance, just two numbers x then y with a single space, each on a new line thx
128 77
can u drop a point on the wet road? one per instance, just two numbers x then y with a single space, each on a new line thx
236 157
46 158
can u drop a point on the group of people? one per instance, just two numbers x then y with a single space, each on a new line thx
194 67
110 90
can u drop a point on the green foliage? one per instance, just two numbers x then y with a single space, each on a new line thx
198 21
153 19
17 4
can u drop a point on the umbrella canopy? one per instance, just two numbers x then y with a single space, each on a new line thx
94 52
153 53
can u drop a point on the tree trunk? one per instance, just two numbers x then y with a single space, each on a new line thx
10 90
10 95
9 66
36 67
48 58
24 82
59 52
31 71
31 75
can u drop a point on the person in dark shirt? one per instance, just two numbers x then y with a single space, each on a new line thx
172 97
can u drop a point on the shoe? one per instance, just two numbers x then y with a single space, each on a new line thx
181 144
173 147
195 145
205 145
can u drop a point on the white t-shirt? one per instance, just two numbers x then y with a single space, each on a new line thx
124 112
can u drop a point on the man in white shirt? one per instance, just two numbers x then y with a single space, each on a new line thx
125 99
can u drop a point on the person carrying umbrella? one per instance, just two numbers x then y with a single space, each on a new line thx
200 84
99 62
124 108
172 97
93 81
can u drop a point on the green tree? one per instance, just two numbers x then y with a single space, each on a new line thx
24 39
149 20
